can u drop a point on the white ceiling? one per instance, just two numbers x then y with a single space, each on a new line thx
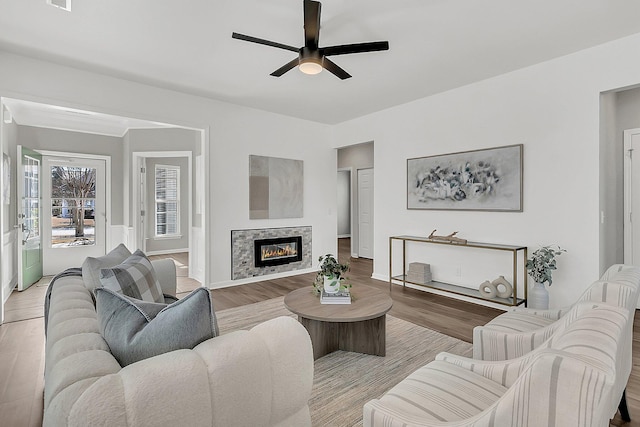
435 45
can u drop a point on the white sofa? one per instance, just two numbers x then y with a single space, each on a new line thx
568 381
261 377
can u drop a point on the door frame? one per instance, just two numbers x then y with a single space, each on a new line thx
349 170
372 211
628 222
22 241
136 158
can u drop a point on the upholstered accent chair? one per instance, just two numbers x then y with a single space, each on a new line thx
518 332
570 380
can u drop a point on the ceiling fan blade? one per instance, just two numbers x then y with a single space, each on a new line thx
286 67
354 48
311 23
263 41
331 66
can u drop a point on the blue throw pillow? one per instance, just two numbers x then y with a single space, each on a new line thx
136 330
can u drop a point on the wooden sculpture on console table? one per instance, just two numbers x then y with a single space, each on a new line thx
448 238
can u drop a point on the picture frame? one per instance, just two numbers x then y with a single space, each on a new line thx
276 188
489 179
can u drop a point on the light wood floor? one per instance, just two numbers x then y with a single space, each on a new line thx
22 342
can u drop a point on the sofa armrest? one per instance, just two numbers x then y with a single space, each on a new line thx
260 377
553 314
166 273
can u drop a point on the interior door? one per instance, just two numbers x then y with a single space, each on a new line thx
74 219
29 214
365 213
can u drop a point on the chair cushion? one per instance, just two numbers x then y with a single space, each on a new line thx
442 391
92 265
136 330
134 277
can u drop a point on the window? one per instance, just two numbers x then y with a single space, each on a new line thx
167 200
73 201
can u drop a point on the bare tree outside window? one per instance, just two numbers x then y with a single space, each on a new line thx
73 192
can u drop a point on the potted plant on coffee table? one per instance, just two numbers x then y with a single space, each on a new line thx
540 267
331 275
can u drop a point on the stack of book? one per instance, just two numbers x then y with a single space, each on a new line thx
419 273
341 297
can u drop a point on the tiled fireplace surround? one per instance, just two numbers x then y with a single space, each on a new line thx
242 251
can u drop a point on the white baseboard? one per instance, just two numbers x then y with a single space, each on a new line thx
229 283
344 236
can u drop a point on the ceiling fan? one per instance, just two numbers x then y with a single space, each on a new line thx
311 57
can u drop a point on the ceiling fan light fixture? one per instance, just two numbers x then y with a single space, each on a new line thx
310 66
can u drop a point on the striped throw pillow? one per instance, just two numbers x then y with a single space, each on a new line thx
134 277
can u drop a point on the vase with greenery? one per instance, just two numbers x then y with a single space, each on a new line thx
540 267
331 275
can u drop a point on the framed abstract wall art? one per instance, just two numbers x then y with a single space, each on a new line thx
478 180
276 188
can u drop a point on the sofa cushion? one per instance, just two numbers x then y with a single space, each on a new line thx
134 277
91 266
136 330
442 391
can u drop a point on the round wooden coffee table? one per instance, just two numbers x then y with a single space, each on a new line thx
359 327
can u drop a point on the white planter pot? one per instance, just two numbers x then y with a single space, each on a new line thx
538 297
331 286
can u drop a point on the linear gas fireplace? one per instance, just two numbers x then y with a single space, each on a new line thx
282 250
264 251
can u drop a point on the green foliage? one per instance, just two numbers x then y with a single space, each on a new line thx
541 265
331 268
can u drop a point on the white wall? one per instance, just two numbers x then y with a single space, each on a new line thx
232 133
553 109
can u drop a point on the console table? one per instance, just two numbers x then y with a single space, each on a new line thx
457 289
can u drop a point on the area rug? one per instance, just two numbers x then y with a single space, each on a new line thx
344 381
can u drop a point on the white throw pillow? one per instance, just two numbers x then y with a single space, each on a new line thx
92 265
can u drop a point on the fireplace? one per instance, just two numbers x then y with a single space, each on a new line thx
245 263
278 251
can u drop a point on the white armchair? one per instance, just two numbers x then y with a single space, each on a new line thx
515 333
569 382
518 332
